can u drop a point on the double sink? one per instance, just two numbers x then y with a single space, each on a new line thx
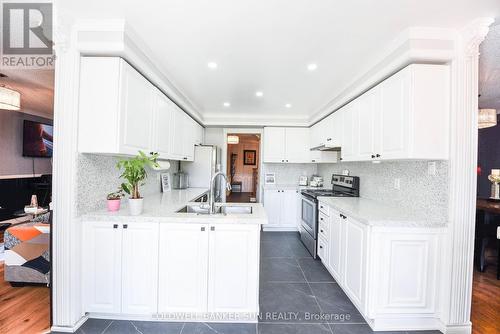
219 209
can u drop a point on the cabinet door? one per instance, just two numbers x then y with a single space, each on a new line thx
199 134
102 267
139 268
337 125
274 144
176 133
315 135
233 274
394 113
188 137
183 272
350 133
272 204
368 133
335 245
289 208
163 119
297 145
355 243
136 111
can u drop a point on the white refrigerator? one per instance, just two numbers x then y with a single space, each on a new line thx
200 171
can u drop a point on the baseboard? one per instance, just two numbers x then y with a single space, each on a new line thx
64 329
244 317
279 229
457 329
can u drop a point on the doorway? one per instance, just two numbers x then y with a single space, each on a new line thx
242 168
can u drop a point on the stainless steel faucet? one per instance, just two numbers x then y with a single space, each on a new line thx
212 191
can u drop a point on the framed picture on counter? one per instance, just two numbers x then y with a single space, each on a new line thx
269 178
166 184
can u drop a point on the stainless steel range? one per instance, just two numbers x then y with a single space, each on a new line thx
342 186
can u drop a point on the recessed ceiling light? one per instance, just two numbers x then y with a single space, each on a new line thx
288 105
259 94
212 65
312 67
227 104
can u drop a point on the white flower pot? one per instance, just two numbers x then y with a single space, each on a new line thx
135 206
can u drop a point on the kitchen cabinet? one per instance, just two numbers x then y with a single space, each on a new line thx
369 125
121 112
283 209
350 136
233 275
286 145
145 268
183 247
120 278
391 274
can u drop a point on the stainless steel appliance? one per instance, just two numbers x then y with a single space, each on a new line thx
206 163
342 186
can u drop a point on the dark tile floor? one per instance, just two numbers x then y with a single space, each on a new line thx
297 296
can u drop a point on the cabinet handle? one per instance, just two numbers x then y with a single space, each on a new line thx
378 155
321 247
125 226
328 139
185 158
321 218
321 206
313 160
373 156
321 231
212 228
287 160
115 225
341 159
203 229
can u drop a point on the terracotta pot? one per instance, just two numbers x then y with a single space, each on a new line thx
113 205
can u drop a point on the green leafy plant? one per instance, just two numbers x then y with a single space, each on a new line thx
134 172
115 195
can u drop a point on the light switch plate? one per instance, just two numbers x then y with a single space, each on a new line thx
431 168
397 183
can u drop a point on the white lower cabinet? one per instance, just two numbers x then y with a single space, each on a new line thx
283 209
121 267
183 247
147 268
233 274
391 274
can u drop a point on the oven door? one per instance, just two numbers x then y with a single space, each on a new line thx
308 213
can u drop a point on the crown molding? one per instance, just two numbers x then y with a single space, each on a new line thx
117 38
258 120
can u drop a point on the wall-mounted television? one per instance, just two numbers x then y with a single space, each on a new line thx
38 139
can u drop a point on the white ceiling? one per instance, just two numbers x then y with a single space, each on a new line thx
489 69
36 88
265 45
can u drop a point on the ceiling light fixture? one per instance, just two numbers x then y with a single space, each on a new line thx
259 94
212 65
312 67
227 104
288 105
9 99
487 118
231 139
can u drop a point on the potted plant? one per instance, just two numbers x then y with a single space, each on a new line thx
114 200
134 173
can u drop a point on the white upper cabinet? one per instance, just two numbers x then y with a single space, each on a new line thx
404 117
274 144
121 112
286 145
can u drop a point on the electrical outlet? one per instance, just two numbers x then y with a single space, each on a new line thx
431 168
397 184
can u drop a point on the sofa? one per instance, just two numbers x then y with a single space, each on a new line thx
27 252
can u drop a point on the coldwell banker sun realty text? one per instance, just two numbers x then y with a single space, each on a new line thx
27 35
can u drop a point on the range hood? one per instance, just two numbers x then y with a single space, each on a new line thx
325 147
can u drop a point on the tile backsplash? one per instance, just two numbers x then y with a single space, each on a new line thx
97 176
289 173
418 190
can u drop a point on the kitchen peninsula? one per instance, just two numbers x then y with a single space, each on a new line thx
173 262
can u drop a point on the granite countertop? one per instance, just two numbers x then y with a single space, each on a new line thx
163 207
375 213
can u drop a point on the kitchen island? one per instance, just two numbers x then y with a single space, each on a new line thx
172 262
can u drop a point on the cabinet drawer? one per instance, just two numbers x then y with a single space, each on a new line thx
323 249
322 218
324 229
323 208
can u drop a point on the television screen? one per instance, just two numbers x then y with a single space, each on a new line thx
37 139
